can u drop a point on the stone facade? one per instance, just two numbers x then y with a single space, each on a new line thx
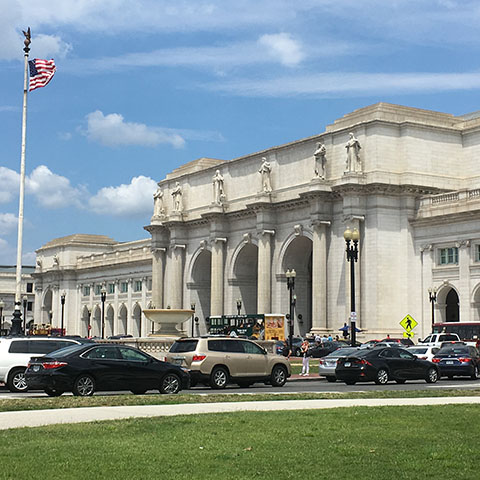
407 179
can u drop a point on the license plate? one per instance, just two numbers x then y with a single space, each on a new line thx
449 362
348 364
36 368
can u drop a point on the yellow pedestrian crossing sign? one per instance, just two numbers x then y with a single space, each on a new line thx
408 323
408 334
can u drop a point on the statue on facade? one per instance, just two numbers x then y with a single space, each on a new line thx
320 160
218 190
158 207
353 147
177 198
265 171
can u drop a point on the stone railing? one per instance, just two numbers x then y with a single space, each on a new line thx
449 198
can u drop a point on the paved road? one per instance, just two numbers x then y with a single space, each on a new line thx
303 385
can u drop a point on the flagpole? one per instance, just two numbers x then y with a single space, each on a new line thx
17 314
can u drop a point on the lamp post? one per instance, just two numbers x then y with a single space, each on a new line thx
239 306
432 295
103 296
2 306
352 256
25 303
62 301
291 274
192 306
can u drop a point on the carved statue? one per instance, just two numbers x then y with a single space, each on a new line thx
158 207
177 197
353 147
265 170
320 160
218 191
56 261
28 38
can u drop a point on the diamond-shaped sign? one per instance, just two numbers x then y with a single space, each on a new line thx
408 323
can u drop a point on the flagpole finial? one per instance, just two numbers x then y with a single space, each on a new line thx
28 40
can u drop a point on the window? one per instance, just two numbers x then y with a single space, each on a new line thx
29 287
149 284
477 256
133 355
102 352
98 289
111 288
184 346
249 347
448 256
86 291
137 286
124 287
29 306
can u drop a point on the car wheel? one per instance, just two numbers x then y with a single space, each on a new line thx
331 379
171 384
16 380
279 376
138 392
400 381
350 382
84 386
53 392
219 378
475 373
381 377
432 375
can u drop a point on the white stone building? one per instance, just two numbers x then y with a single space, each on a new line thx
222 231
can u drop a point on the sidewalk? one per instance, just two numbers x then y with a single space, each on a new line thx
36 418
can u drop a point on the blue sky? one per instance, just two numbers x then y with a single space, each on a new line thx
144 86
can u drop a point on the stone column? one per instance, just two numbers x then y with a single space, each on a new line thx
217 277
158 269
129 305
175 283
319 277
264 283
464 281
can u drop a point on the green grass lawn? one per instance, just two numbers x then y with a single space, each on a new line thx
349 443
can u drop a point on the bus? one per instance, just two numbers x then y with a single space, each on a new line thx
467 331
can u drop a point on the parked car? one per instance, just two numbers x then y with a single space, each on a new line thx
458 359
424 352
296 350
85 369
324 348
436 339
327 364
406 342
218 361
383 364
15 352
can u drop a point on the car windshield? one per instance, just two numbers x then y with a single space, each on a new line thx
63 352
184 346
453 351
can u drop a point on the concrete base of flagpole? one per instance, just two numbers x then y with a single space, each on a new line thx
16 328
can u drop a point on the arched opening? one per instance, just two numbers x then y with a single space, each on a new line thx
200 288
97 322
476 305
298 256
109 321
245 273
85 322
452 311
137 321
47 307
122 320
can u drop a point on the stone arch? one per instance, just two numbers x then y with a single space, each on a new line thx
200 285
296 253
85 322
96 322
122 319
244 277
137 320
109 318
47 304
448 304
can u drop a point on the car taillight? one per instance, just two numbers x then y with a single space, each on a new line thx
198 358
321 362
363 362
52 365
464 360
435 360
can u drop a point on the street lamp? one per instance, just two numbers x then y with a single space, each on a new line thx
25 303
352 256
432 295
192 306
103 296
291 274
239 306
62 301
2 306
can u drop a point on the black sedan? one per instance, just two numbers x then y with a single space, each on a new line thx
383 364
322 349
458 359
85 369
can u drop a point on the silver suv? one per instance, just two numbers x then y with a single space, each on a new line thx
217 361
15 353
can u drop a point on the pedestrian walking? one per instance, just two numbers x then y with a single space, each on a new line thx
286 351
305 358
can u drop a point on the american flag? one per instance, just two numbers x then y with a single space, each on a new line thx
41 72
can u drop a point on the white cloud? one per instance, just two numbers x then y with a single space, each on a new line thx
283 47
46 46
9 184
8 223
112 131
52 190
135 198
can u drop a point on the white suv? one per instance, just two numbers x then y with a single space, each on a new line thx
15 353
